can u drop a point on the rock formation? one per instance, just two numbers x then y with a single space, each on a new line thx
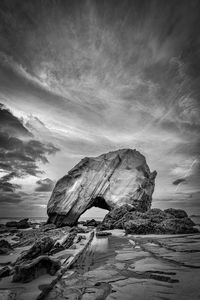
154 221
107 181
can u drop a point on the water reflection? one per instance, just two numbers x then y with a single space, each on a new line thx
99 244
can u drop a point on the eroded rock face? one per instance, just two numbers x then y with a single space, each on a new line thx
107 181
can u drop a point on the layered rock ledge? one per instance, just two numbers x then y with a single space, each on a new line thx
107 181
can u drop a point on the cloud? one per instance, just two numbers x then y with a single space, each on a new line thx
178 181
44 185
19 155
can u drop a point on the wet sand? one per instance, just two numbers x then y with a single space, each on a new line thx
134 267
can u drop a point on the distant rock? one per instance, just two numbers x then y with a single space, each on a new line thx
22 224
107 181
5 247
92 223
103 233
28 271
154 221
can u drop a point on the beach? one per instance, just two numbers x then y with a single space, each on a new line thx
114 266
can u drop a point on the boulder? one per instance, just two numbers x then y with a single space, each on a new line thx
107 181
5 247
40 247
28 271
154 221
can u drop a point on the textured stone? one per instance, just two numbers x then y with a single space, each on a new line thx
154 221
107 181
40 247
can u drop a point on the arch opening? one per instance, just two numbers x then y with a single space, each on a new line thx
97 210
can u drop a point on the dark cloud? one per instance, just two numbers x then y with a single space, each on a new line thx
19 154
44 185
178 181
12 125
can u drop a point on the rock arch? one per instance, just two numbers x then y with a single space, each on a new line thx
107 181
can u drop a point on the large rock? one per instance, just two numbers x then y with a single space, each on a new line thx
30 270
107 181
154 221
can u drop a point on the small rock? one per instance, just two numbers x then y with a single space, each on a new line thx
66 243
5 247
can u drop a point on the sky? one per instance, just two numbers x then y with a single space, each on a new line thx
83 77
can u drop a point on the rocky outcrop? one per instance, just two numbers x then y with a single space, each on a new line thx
154 221
107 181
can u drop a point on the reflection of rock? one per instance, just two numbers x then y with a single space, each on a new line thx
5 247
28 271
153 221
40 247
107 181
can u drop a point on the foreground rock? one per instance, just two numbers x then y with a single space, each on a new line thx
40 247
26 272
154 221
107 181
